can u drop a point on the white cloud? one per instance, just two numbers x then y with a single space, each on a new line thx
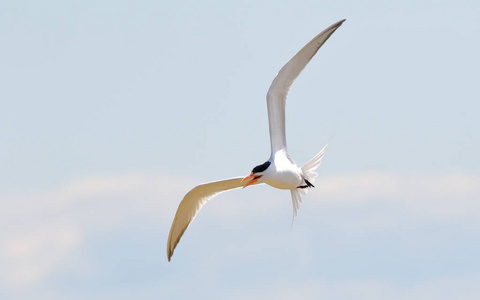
439 288
42 230
29 257
446 194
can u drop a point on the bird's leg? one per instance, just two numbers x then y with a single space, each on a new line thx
307 185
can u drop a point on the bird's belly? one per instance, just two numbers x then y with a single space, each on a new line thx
285 181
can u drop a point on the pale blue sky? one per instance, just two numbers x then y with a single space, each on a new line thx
113 110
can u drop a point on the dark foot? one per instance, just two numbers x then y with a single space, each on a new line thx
308 183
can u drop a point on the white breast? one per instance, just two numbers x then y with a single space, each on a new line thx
283 173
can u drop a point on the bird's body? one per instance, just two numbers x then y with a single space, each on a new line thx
283 173
280 170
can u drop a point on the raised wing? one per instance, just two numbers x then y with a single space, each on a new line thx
278 92
191 205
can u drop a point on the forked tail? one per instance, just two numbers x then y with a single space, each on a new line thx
309 173
309 168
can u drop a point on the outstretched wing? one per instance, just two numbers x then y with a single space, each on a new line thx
278 92
191 205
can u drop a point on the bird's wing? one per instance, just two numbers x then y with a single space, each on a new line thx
191 205
277 94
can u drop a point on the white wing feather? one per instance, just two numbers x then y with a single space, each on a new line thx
191 205
278 92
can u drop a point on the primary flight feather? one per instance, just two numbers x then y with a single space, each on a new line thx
279 171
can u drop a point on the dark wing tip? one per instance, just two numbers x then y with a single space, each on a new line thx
338 24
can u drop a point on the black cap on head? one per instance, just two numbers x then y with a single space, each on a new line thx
261 168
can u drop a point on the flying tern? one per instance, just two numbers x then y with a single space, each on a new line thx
279 171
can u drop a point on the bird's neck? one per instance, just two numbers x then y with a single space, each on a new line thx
281 155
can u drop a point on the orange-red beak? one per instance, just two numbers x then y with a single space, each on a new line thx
254 179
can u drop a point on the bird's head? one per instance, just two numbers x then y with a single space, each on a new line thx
256 173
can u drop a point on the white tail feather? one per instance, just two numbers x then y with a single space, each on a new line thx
297 197
309 168
309 172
